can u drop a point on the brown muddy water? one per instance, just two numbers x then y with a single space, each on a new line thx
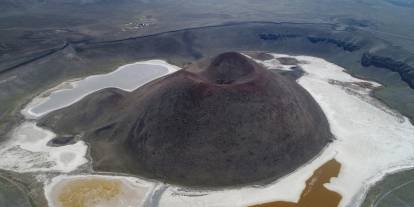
96 191
86 193
315 194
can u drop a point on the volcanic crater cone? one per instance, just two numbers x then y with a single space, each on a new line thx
231 123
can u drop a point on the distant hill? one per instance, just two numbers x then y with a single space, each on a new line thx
402 3
24 4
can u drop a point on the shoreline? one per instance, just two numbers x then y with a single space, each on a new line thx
289 180
72 84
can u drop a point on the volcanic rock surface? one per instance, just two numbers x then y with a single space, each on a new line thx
231 123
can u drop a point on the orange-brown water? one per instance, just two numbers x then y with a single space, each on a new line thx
315 194
84 193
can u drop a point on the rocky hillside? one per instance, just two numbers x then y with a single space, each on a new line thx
231 123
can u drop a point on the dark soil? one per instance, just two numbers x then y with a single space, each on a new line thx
232 123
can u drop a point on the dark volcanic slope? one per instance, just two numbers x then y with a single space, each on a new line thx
232 123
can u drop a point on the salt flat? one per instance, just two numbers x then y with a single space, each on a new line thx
27 150
128 77
97 191
371 140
